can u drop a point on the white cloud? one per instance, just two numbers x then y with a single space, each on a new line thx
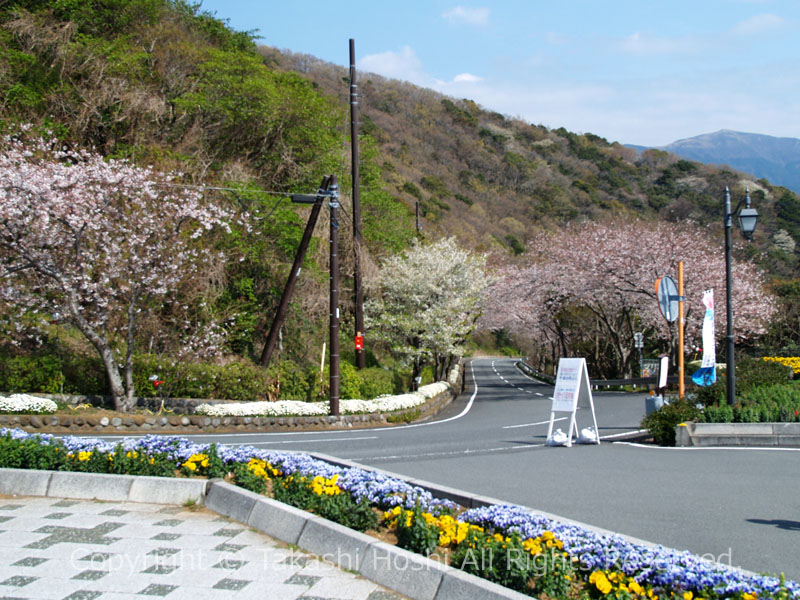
406 66
759 24
469 16
403 65
467 78
637 43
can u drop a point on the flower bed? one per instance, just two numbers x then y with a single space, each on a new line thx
25 404
286 408
506 544
789 361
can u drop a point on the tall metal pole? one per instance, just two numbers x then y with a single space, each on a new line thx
283 306
681 325
730 370
358 290
334 298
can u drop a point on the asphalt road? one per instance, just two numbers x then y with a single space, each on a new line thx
738 506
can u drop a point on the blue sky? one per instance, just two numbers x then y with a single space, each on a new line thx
643 72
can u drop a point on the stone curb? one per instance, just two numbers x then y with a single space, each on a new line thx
102 486
407 573
767 435
192 424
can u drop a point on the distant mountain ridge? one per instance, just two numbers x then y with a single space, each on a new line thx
774 158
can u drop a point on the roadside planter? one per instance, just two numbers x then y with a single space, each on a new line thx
505 544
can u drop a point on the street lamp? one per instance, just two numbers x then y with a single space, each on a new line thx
747 223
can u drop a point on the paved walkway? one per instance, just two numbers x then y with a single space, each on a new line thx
82 550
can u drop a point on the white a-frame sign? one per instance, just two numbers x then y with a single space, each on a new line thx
572 392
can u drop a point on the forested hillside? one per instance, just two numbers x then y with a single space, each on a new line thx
493 180
160 83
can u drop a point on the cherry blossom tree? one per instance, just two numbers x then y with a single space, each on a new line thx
430 301
97 241
609 270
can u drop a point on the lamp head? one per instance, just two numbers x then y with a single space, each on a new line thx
748 218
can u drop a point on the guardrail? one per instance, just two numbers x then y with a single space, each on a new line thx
646 382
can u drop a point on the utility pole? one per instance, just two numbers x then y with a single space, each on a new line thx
280 314
333 203
419 225
358 290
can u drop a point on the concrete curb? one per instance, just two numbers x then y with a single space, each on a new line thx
766 435
101 486
407 573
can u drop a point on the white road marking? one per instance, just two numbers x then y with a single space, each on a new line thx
453 453
690 448
371 437
616 435
534 424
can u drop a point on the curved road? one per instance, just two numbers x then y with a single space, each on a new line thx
738 506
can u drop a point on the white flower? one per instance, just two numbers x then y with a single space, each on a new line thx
296 408
17 403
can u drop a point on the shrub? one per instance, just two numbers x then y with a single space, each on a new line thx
752 373
294 382
376 382
662 422
25 374
350 382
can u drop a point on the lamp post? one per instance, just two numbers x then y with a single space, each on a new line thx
748 218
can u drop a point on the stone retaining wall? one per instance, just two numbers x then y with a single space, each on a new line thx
189 423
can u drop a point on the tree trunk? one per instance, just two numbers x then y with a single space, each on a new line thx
122 401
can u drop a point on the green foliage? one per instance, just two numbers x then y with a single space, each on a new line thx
516 246
296 490
773 403
410 188
245 478
458 114
753 373
104 17
506 561
243 109
465 199
435 186
386 223
29 454
406 417
375 382
415 534
23 374
662 422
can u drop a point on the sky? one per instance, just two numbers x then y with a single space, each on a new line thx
646 72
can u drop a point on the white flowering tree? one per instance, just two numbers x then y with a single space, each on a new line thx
606 272
430 301
96 241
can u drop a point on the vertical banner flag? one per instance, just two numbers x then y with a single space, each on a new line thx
707 373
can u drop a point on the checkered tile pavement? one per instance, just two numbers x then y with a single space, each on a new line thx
87 550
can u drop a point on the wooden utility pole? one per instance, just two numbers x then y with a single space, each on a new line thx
280 314
334 297
358 290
